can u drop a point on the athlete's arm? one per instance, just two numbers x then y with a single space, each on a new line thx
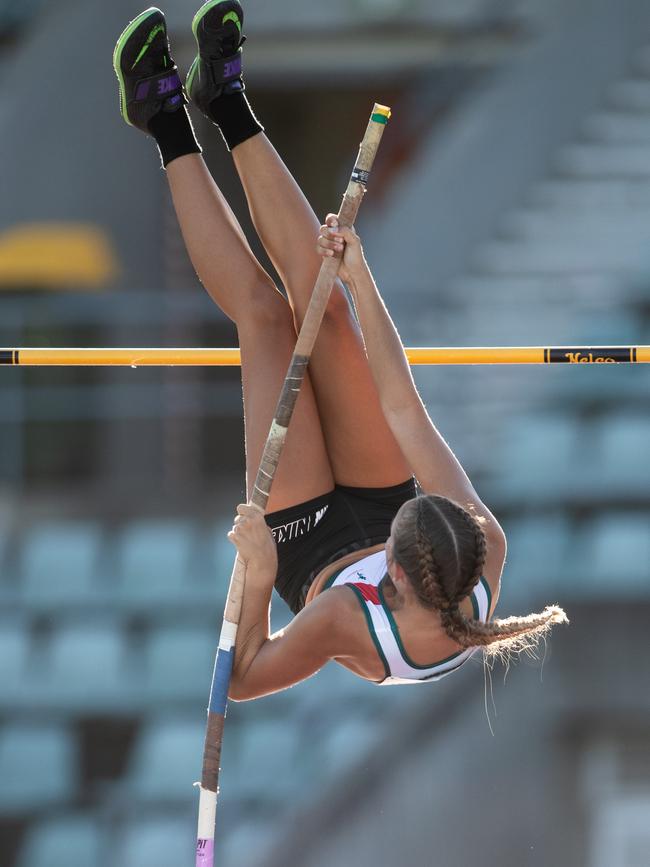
266 663
432 461
298 651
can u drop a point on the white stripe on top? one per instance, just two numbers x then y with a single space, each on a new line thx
368 573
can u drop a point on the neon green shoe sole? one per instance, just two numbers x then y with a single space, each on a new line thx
216 69
147 76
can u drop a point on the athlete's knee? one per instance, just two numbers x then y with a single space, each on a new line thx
264 306
338 314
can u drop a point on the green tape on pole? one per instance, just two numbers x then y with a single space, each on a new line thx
379 118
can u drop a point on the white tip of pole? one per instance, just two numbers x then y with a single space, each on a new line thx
207 812
205 833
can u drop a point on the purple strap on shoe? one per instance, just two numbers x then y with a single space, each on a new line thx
226 69
232 68
161 86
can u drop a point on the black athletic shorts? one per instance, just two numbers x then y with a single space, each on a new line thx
314 534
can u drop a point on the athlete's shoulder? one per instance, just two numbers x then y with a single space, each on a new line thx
335 601
339 607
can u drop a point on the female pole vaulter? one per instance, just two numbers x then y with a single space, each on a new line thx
395 586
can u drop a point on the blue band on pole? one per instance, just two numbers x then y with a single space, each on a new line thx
221 681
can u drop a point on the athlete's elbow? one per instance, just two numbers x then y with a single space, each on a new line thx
398 405
496 540
235 693
240 690
245 682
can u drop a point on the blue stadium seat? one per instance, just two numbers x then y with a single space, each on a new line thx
63 842
179 662
155 565
538 551
335 687
625 451
614 555
246 843
38 767
14 658
215 557
87 667
538 454
221 553
58 565
4 542
598 383
166 760
267 757
605 328
168 841
343 745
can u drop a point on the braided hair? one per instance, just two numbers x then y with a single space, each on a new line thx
442 548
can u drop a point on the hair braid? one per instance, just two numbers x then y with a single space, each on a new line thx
510 634
431 591
480 542
442 547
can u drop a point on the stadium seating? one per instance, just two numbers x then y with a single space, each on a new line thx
74 839
178 663
38 767
156 842
246 843
85 667
342 744
59 566
538 455
624 443
166 760
538 558
15 648
154 560
217 563
265 749
615 554
618 128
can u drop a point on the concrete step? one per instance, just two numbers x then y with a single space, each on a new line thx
586 194
642 63
614 385
510 311
587 291
601 161
563 257
619 128
597 226
631 95
541 322
523 322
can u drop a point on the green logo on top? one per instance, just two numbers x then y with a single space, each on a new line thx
159 28
232 16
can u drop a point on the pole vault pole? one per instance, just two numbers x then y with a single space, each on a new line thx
262 488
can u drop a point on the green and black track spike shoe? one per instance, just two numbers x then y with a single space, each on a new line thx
217 68
148 77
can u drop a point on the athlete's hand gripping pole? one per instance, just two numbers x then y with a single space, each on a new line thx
268 465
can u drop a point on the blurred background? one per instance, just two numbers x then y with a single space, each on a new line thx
510 205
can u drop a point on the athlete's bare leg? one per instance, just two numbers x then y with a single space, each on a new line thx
243 290
361 447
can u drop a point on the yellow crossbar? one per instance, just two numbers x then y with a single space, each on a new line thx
108 357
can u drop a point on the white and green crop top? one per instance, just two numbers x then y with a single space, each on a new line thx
364 577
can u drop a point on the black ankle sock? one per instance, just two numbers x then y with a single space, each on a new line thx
234 117
174 134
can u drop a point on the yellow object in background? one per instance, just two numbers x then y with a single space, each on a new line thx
56 256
